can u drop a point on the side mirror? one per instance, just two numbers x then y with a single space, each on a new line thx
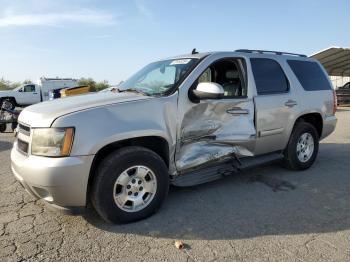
20 90
208 90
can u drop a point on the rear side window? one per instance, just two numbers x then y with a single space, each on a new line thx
310 75
269 76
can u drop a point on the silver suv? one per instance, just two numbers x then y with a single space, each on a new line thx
183 121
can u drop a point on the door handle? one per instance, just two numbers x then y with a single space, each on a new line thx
290 103
237 111
35 93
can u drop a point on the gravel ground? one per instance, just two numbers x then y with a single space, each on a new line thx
266 214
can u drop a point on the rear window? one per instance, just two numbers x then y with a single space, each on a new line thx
269 76
310 75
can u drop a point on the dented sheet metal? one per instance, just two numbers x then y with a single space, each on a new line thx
210 133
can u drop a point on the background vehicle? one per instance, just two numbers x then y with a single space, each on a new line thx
34 93
343 94
182 121
8 116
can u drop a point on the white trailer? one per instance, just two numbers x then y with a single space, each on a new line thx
29 94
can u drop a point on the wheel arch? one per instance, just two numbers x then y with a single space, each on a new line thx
9 98
157 144
291 160
313 118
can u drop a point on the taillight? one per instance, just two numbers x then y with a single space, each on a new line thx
335 102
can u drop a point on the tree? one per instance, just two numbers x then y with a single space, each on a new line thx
88 82
93 86
27 81
4 84
15 85
102 85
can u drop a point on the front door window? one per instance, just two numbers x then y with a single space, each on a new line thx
29 88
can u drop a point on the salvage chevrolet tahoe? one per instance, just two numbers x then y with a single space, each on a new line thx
181 121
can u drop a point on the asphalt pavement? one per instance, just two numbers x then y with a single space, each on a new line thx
264 214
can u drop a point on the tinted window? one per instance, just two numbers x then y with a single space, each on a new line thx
269 76
310 75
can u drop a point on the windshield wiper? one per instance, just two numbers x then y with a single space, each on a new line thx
133 90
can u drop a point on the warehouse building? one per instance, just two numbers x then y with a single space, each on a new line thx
336 60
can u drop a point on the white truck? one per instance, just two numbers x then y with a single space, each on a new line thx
29 94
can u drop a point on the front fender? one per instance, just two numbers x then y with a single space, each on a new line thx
129 135
98 127
7 95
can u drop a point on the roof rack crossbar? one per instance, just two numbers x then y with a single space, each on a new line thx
268 51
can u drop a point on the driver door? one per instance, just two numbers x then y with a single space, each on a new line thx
30 94
212 130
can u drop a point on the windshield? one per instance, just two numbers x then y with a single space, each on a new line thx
159 77
18 88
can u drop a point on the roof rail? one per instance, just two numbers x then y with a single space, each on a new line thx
267 51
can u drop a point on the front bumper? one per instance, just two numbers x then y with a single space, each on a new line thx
61 182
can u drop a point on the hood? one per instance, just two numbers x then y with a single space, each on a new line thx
5 93
43 114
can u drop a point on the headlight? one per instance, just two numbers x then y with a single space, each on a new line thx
52 142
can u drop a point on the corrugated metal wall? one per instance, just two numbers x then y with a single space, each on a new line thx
338 81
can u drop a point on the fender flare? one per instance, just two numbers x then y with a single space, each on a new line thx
10 98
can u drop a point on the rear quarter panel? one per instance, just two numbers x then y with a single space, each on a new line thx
318 101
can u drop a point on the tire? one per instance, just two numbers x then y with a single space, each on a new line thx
112 169
306 157
14 126
13 104
2 127
10 103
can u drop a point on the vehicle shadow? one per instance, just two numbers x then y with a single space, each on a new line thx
268 200
5 145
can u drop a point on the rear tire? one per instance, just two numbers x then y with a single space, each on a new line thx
302 147
119 179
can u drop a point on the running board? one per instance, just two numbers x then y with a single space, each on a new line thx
212 173
249 162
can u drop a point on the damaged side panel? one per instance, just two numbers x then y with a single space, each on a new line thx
212 131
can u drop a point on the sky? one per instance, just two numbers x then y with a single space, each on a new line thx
112 39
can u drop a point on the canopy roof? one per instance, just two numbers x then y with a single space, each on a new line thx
336 60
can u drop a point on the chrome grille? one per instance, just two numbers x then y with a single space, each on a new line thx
23 138
22 146
23 129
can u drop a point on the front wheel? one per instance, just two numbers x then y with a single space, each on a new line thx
302 147
8 104
129 185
